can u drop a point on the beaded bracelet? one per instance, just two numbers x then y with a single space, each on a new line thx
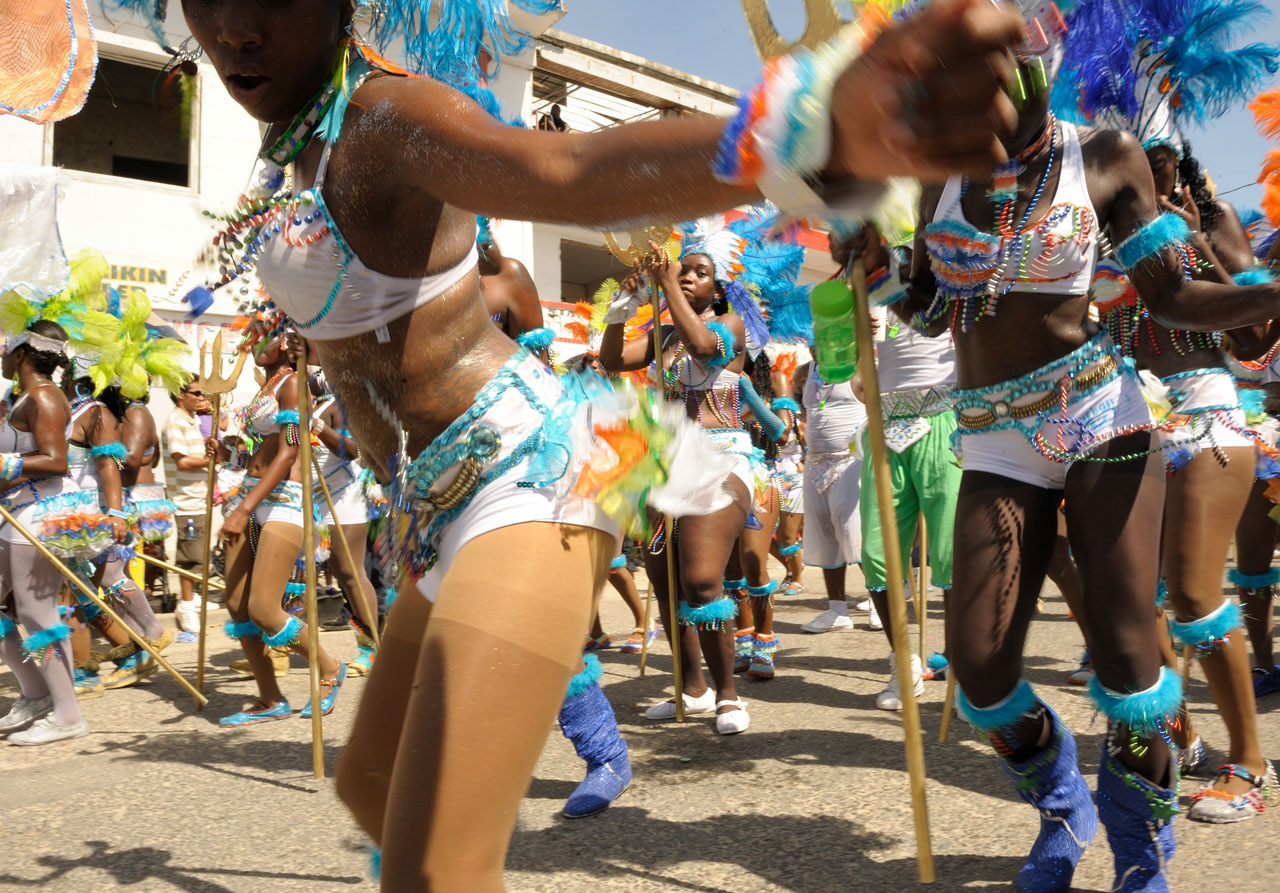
1169 230
10 466
884 285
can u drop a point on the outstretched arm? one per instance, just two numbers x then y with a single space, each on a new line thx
951 59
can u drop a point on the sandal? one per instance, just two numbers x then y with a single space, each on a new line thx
331 696
1221 807
259 712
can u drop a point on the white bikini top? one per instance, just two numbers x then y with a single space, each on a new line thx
11 439
260 415
694 375
81 466
1055 255
312 274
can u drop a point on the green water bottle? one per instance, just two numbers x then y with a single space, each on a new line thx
835 335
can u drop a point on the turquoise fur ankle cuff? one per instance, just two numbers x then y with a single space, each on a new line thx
588 676
1211 630
289 635
246 630
761 591
1162 594
6 626
619 562
42 641
788 551
1144 712
1254 581
1005 712
712 615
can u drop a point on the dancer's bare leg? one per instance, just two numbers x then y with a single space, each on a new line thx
1205 502
485 692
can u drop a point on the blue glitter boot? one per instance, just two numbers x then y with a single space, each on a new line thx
587 720
1138 816
1051 782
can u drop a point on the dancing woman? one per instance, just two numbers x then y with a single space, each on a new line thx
338 456
1046 409
262 534
1211 453
703 359
480 664
33 464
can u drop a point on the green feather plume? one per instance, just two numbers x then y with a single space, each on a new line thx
600 302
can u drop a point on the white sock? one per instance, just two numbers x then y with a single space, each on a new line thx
840 606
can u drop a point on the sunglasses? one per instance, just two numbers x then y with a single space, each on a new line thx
193 393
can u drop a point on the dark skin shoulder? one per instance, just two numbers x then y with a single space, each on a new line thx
138 435
45 413
509 294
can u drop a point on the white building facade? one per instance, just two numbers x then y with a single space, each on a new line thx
147 157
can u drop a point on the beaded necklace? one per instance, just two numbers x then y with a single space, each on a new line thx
298 134
259 403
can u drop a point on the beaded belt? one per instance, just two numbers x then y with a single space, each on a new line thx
1003 409
915 403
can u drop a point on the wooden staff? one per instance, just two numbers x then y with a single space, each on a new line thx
949 706
668 529
309 563
648 609
174 569
894 574
217 384
922 591
346 546
98 600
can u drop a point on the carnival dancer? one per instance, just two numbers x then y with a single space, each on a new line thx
338 456
1047 409
507 287
508 595
790 331
1212 455
834 419
755 643
703 351
33 437
916 376
262 533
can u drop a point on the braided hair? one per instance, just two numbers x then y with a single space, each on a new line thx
761 372
1191 175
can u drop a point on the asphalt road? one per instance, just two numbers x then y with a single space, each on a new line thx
812 798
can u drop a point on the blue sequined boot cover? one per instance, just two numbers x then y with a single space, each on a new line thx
587 720
1051 782
1138 816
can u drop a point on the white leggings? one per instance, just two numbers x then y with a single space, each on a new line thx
33 585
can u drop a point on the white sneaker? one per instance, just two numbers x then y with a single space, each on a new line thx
891 697
704 703
827 621
23 712
188 615
862 604
873 619
734 721
46 731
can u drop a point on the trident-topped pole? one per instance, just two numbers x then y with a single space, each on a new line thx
635 253
822 22
215 384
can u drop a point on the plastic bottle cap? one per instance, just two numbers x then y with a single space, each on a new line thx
832 298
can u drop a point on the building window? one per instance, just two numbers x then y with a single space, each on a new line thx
136 123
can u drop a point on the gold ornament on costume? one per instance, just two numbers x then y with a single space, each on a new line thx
821 22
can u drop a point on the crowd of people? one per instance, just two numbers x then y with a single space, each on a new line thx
1075 354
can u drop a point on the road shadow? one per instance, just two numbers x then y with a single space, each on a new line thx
801 854
143 865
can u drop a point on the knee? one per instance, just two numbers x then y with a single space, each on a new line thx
700 588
